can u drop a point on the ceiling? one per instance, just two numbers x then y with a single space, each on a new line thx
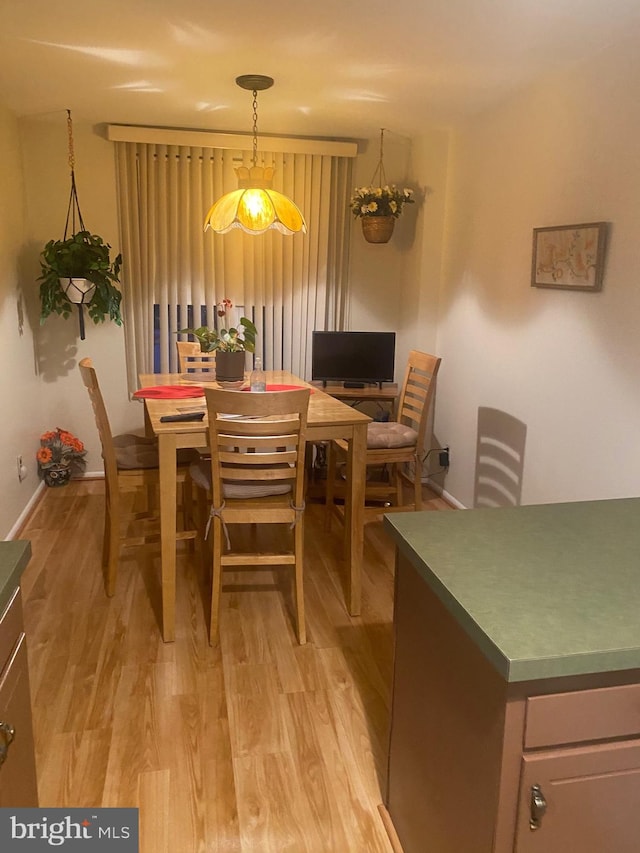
341 69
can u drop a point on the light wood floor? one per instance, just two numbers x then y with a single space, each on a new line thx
257 745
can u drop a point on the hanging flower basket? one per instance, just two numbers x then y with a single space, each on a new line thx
379 204
377 229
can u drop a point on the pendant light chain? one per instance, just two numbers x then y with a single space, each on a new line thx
379 172
74 204
255 127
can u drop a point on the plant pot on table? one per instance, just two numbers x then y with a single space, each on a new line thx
230 366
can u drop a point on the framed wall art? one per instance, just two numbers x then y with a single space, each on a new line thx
569 257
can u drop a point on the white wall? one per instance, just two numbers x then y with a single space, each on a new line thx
395 285
19 386
565 363
63 399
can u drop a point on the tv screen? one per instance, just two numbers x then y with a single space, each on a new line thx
353 357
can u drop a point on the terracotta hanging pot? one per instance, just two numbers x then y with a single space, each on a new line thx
230 367
378 229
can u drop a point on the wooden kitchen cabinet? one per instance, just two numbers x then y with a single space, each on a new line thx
18 784
592 796
515 720
582 754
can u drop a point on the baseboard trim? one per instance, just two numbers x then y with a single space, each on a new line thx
390 829
14 533
445 495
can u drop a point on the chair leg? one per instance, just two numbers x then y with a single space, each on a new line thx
417 485
298 581
106 537
111 551
201 516
397 474
188 517
216 581
330 484
151 500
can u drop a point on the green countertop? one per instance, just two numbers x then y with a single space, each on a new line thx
544 591
14 557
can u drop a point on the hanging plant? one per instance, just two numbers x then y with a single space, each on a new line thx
78 269
379 204
81 256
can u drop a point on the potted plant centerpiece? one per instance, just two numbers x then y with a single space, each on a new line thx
78 270
229 345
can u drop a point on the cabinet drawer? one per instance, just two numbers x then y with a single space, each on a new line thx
18 783
585 715
10 627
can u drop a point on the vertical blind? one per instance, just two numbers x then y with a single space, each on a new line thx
289 285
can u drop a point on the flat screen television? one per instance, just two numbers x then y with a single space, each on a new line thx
354 358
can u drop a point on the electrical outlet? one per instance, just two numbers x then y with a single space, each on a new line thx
444 457
22 470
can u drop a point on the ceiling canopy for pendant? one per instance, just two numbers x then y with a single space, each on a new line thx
255 206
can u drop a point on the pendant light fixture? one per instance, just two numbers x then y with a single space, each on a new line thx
255 206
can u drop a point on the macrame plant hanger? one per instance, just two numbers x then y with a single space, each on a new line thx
379 228
75 293
379 172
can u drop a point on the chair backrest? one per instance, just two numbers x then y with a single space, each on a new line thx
257 440
417 392
90 379
191 358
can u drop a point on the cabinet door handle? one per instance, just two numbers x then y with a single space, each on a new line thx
7 734
537 808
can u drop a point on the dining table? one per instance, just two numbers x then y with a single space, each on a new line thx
328 418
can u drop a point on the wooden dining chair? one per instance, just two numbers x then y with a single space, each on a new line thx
396 444
255 477
130 461
191 359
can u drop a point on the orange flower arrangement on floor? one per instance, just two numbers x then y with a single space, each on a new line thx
60 449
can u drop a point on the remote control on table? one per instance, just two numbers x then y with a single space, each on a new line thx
185 416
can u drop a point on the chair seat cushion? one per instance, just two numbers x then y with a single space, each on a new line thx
201 475
135 451
387 434
138 451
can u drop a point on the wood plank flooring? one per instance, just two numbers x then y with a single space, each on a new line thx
258 744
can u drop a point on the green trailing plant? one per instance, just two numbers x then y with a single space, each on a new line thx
82 255
233 339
